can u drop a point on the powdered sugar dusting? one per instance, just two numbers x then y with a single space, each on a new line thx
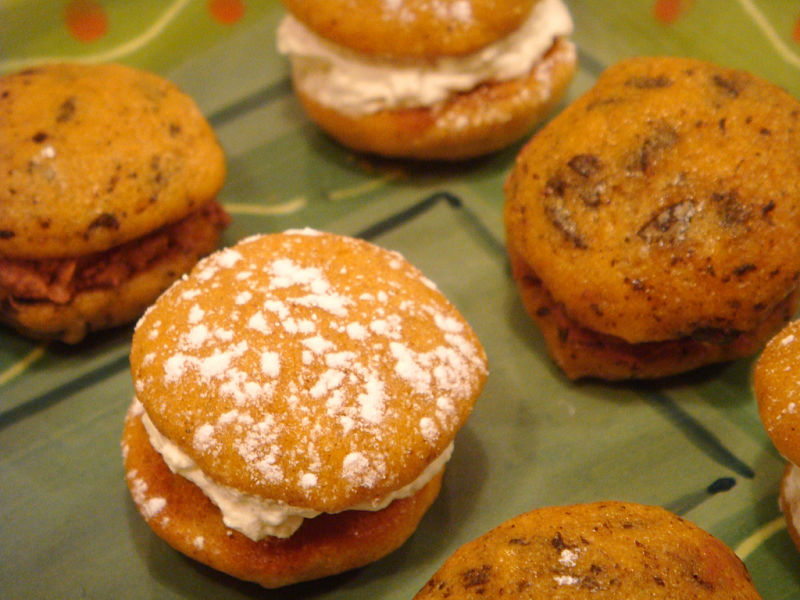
568 558
259 446
458 11
356 331
448 324
356 467
318 344
259 323
228 258
243 298
308 480
429 429
204 437
197 336
328 347
153 506
270 363
149 506
410 366
566 580
461 11
372 402
196 314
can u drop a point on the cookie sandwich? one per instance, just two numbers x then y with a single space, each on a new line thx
297 397
597 551
108 184
775 384
428 80
652 225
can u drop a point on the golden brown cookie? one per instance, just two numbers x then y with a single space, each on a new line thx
297 374
469 78
659 207
104 170
427 29
599 551
775 384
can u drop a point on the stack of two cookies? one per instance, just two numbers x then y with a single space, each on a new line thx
428 80
652 226
108 185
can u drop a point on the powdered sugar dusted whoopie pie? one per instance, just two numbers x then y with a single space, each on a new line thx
304 389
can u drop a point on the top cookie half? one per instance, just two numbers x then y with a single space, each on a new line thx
93 156
307 368
412 29
665 202
776 384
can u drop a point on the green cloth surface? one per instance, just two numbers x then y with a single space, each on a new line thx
693 444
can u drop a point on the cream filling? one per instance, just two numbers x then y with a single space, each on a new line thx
258 517
791 494
343 80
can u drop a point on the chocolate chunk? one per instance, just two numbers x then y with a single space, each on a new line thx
728 86
660 140
105 220
730 210
475 577
649 83
668 226
744 269
585 165
66 110
562 220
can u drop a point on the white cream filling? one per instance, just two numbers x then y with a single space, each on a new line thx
791 494
343 80
258 517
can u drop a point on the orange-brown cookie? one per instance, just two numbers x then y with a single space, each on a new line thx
427 29
599 551
296 377
659 208
775 385
108 181
469 78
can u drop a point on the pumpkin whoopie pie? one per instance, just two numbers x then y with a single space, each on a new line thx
108 181
596 551
297 396
775 383
653 225
428 80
